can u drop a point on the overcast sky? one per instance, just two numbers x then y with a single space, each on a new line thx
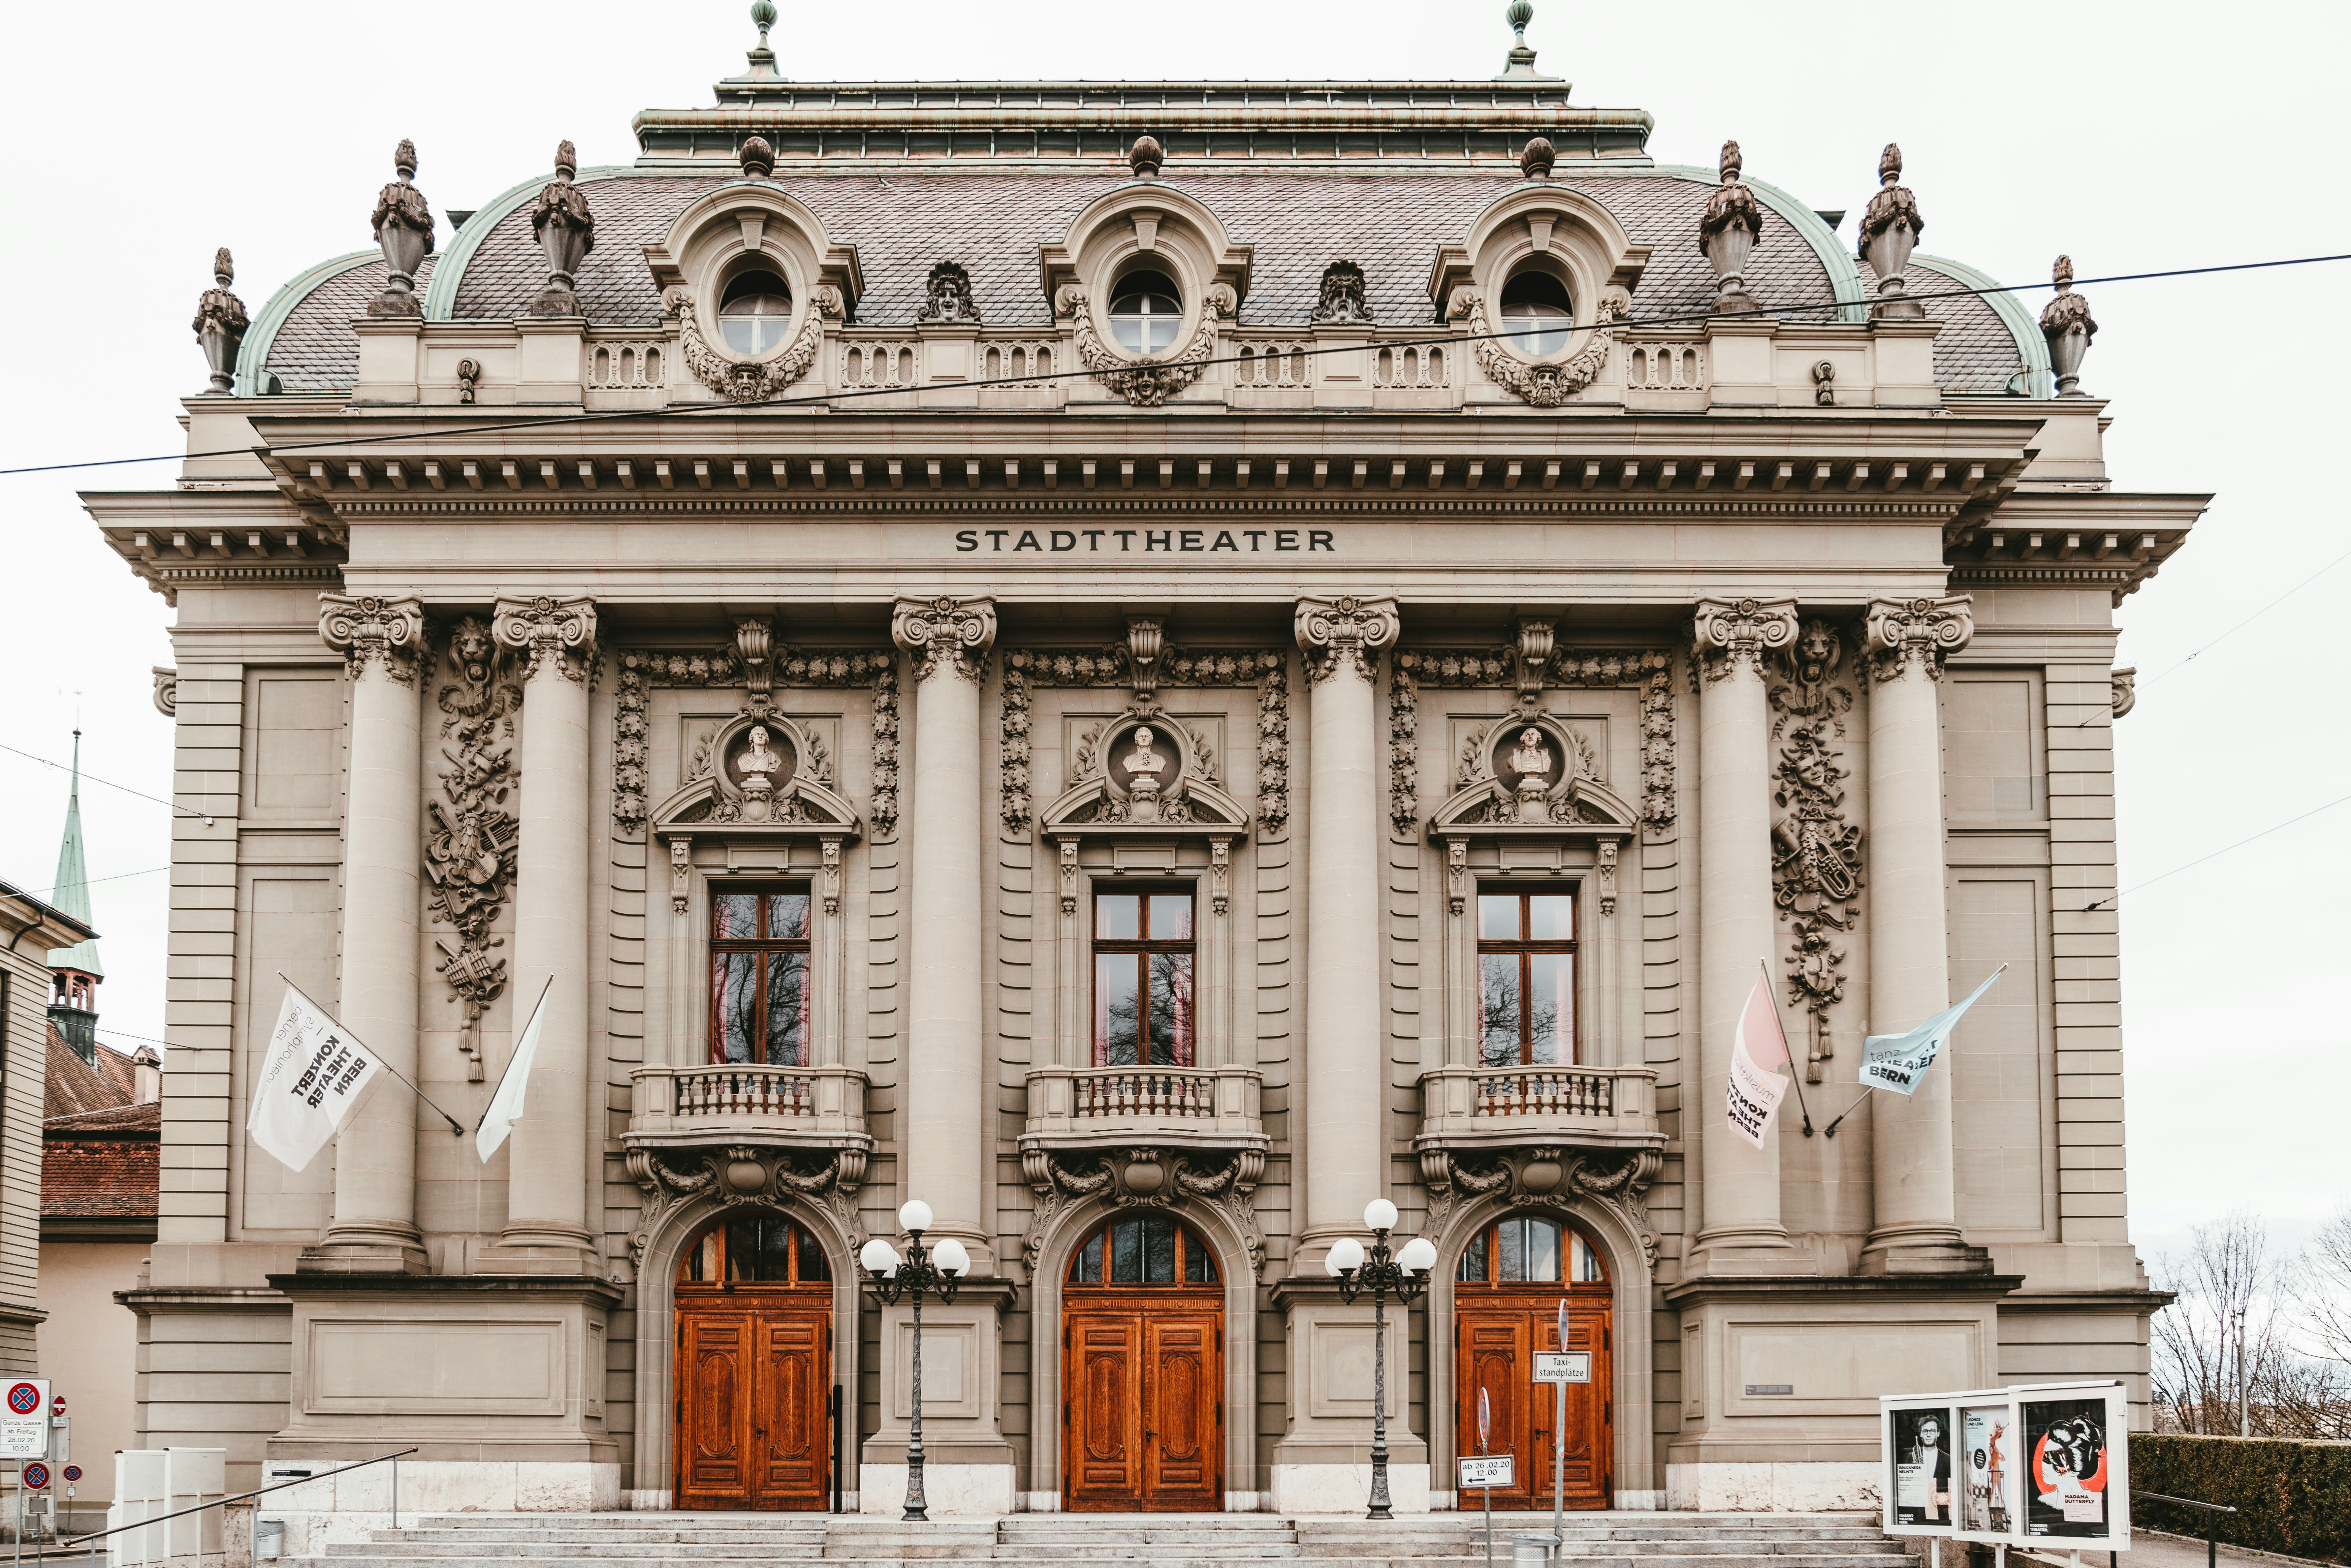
2137 137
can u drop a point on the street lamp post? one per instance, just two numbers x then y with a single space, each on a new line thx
939 1270
1383 1272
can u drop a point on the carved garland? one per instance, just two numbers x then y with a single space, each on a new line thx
1404 755
1546 1178
1540 385
759 380
1112 665
469 851
737 1178
1816 853
1145 383
1225 1183
640 669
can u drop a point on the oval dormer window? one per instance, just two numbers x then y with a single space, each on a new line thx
755 313
1146 312
1537 313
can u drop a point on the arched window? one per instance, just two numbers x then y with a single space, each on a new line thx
1526 1250
754 1246
1537 311
1146 312
1143 1252
755 312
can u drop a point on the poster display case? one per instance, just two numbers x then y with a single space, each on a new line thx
2040 1464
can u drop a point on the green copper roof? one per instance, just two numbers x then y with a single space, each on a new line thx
72 893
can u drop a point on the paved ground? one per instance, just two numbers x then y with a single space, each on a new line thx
2162 1551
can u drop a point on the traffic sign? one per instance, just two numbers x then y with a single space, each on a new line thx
1487 1471
1562 1322
58 1406
1563 1366
36 1476
73 1472
24 1425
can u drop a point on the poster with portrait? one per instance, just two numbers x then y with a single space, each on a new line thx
1922 1469
2073 1450
1986 1493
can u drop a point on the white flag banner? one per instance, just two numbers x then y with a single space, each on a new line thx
1751 1097
505 1105
312 1076
1899 1061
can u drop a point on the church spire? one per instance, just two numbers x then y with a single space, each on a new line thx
76 969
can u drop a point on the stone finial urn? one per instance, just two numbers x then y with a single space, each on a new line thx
404 227
1728 233
1890 228
1145 157
758 159
221 324
1536 159
2067 325
566 231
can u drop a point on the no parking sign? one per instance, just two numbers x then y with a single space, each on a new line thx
36 1476
25 1420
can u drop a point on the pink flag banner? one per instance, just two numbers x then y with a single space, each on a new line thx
1752 1095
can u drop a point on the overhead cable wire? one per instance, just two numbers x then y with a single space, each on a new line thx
2200 860
93 778
537 421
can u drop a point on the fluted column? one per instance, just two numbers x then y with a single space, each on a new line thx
947 1103
1345 840
384 641
1742 1232
547 1180
1916 1228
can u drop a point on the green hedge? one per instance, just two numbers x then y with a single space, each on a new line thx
2293 1497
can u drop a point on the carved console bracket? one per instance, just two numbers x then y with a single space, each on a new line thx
1548 1177
738 1177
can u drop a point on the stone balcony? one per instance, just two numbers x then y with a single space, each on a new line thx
806 1108
1155 1107
1468 1110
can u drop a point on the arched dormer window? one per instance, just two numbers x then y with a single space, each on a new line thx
1537 311
1146 311
756 312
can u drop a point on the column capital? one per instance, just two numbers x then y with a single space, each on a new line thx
544 630
391 633
945 633
1726 633
1343 633
1903 633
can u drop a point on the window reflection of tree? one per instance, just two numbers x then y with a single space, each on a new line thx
1144 979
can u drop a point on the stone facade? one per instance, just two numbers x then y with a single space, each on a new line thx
524 635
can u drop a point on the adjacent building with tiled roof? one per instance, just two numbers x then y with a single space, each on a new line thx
1169 674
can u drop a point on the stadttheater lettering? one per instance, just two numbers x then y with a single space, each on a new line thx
1147 542
856 843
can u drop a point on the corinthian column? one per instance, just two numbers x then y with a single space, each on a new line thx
1917 1225
1346 837
1742 1232
548 1174
947 1103
384 641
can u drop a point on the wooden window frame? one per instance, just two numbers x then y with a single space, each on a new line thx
1568 1236
1525 948
1142 947
1186 1239
761 946
803 1240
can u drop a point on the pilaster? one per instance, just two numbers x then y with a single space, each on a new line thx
947 1103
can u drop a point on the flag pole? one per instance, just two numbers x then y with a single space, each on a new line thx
1794 1077
454 1125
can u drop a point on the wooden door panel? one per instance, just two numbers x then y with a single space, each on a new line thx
792 1441
1498 1336
714 1414
1104 1435
1181 1436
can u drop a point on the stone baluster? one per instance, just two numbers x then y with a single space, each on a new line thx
385 642
1915 1228
947 1105
550 1154
1347 831
1742 1232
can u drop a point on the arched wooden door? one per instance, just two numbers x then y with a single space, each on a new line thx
754 1367
1142 1367
1506 1297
